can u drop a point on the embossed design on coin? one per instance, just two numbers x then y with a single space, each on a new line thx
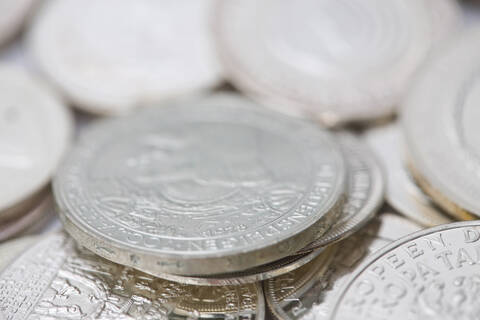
35 129
339 60
309 292
203 186
54 279
441 126
110 56
364 194
432 274
12 15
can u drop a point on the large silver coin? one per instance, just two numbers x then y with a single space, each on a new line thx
432 274
402 193
200 186
109 56
54 279
441 119
309 292
364 193
336 60
12 16
35 131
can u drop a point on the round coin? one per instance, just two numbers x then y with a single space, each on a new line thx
35 130
200 186
402 193
55 277
309 292
364 194
440 121
12 15
339 61
110 56
432 274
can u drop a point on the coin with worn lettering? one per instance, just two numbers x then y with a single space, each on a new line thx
55 279
432 274
440 121
309 292
12 16
111 56
203 185
35 130
338 61
364 194
402 193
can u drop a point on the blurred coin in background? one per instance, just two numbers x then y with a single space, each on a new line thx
338 61
110 56
12 16
35 131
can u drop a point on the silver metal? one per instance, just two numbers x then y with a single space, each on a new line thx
432 274
402 193
441 125
35 131
338 61
111 56
364 194
309 292
200 186
12 16
54 279
12 249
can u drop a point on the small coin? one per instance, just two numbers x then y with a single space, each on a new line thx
35 130
432 274
12 16
402 193
201 186
56 278
309 292
440 120
364 195
339 61
110 56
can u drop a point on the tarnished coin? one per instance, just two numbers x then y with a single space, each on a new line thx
109 56
402 193
365 188
309 292
200 186
54 279
12 15
35 130
432 274
339 61
441 119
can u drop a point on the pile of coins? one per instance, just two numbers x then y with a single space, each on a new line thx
239 159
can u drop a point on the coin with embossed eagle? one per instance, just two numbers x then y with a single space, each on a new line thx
200 186
56 279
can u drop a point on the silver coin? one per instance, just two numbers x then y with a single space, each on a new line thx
200 186
335 60
402 193
440 119
35 131
54 279
364 195
309 292
12 249
12 16
432 274
110 56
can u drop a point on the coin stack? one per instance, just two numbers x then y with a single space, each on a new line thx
239 160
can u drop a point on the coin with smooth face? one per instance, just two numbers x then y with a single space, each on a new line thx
12 16
338 61
200 186
309 292
440 121
402 193
35 130
56 278
111 56
365 188
432 274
